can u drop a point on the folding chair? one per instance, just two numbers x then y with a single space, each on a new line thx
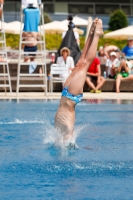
55 71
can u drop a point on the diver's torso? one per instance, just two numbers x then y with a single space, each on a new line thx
65 116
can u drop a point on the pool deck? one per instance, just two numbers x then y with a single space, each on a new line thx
55 95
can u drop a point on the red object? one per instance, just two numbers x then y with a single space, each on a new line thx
53 57
93 66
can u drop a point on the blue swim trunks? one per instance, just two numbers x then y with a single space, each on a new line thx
74 98
30 49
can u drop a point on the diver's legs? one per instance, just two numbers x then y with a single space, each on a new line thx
77 79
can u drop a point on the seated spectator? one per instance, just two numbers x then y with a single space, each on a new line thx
108 49
110 64
30 46
102 57
65 60
123 70
94 74
128 49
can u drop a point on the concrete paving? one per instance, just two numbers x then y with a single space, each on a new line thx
87 95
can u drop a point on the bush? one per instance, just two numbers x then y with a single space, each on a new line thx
12 41
53 41
117 20
119 43
47 18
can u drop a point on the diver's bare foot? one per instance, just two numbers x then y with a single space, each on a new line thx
93 26
99 29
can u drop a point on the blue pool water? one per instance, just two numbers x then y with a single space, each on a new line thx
31 167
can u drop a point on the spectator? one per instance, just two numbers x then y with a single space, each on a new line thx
102 57
123 70
31 46
108 49
110 64
128 49
65 60
94 74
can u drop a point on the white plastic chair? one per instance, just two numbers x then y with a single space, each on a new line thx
56 69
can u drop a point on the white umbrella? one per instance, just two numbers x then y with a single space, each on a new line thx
121 34
78 21
79 31
53 27
13 27
2 25
57 27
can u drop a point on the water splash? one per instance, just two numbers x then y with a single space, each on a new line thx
54 137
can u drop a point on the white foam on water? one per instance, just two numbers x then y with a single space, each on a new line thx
53 136
18 121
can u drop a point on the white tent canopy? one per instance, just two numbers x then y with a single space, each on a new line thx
52 27
3 24
57 27
13 27
78 21
121 34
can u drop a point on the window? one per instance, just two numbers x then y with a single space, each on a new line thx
9 7
43 1
126 9
94 1
71 1
75 9
106 9
48 8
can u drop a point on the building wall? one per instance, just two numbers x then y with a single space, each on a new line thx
59 9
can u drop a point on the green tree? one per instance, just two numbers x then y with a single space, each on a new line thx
118 19
47 19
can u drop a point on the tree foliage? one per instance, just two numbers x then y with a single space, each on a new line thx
53 41
47 18
117 20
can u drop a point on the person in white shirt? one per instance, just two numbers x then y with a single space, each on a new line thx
110 64
65 60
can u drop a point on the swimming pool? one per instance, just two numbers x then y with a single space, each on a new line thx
31 167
